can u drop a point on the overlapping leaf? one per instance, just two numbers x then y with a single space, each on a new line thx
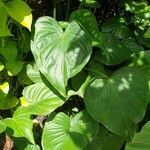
41 99
64 132
60 54
141 140
115 102
20 125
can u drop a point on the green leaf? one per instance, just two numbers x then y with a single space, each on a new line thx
2 127
90 3
41 100
105 140
141 140
118 44
9 51
23 144
73 133
60 54
34 73
4 31
88 22
8 102
147 33
139 34
78 80
1 66
24 16
115 102
14 67
24 41
20 124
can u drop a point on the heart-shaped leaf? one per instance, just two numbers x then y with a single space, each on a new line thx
118 102
63 132
60 54
20 124
41 100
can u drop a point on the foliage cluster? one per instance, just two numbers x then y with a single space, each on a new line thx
77 83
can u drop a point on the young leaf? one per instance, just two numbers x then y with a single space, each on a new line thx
63 132
141 140
60 54
21 124
41 100
115 102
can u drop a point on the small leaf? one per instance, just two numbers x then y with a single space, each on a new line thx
63 131
8 102
141 140
5 87
14 67
21 124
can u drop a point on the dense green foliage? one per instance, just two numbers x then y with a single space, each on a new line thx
78 83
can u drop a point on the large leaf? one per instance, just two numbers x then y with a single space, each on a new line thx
60 54
20 125
63 132
88 22
141 140
118 44
115 102
2 127
19 11
41 100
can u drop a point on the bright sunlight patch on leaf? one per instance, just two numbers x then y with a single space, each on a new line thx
27 21
5 87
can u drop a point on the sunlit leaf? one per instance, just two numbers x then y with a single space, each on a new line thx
40 99
20 124
60 54
63 132
19 11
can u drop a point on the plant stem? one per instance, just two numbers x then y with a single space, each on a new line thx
54 9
